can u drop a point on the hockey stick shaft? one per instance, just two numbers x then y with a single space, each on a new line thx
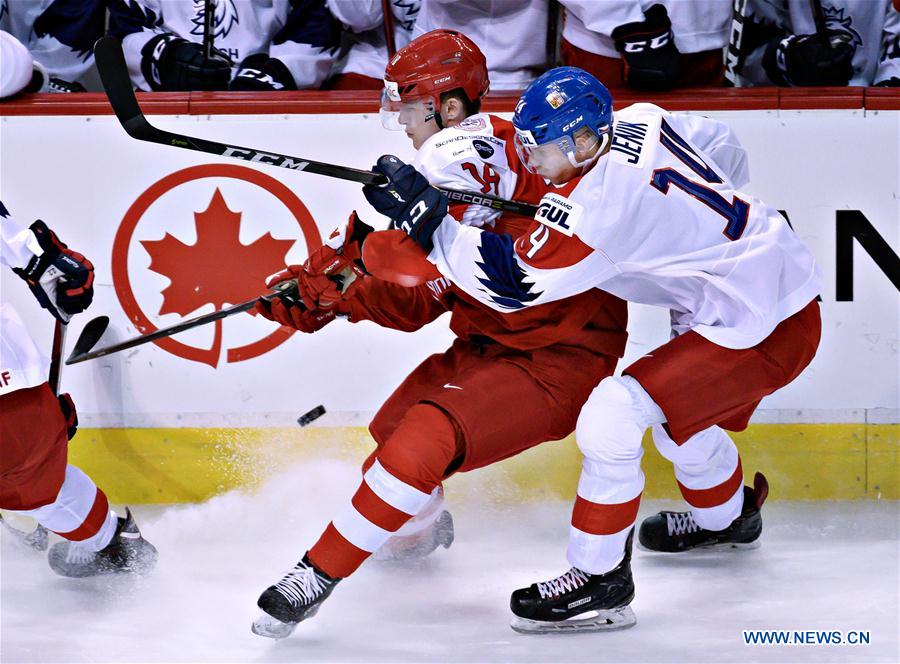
734 56
59 342
388 25
161 333
209 18
819 20
117 84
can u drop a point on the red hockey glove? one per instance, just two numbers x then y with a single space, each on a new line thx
62 280
333 271
289 308
67 406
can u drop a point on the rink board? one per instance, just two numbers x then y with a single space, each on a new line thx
801 462
216 408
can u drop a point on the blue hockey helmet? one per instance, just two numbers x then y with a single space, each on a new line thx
558 105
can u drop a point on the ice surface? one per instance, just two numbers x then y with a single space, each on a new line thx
822 566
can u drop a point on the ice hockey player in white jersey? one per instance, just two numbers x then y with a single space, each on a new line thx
259 44
36 425
647 208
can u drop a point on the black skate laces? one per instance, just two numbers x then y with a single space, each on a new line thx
681 523
301 585
571 580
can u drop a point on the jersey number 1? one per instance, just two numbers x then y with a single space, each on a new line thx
487 180
735 212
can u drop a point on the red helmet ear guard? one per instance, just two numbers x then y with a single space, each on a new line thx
436 62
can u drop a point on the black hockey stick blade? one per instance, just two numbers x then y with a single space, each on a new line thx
169 331
89 337
117 84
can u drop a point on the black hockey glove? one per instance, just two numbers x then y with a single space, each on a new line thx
806 60
62 280
408 200
67 406
648 49
177 65
260 73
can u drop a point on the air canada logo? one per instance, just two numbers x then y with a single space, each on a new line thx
204 238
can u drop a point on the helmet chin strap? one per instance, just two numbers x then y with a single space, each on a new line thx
588 163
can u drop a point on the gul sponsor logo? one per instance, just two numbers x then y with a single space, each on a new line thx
559 213
203 238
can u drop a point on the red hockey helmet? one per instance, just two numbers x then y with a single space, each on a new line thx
436 62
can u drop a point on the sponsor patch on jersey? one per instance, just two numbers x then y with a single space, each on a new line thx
472 124
484 150
559 213
526 138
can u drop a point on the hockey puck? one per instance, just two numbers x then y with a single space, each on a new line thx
311 416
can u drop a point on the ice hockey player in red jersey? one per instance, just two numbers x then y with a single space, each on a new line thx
647 207
537 367
36 425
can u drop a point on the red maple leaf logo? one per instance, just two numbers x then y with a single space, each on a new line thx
218 268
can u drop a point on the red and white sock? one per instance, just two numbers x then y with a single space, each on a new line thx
80 513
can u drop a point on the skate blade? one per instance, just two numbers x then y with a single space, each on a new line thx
604 621
721 546
272 628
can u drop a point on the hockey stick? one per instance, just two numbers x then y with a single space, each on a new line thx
209 18
734 58
387 14
117 84
83 353
59 342
90 335
821 23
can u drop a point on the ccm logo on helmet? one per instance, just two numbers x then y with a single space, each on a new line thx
559 213
572 123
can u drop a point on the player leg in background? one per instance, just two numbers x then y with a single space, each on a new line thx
700 385
35 481
724 512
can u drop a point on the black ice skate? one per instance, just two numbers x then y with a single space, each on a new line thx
674 532
418 545
126 552
297 596
577 601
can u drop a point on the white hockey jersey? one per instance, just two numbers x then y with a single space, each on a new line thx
302 34
478 155
22 364
368 54
696 26
512 34
658 220
873 27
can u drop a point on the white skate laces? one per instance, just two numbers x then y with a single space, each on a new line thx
681 523
301 585
571 580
